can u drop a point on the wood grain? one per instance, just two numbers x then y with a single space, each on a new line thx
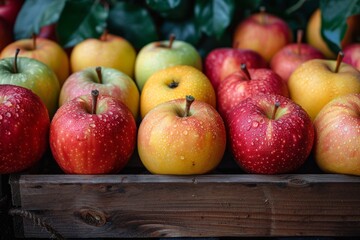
211 205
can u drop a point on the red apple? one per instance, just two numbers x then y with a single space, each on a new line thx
247 83
48 32
222 62
270 134
264 33
352 55
5 34
108 81
338 135
181 137
287 59
24 128
9 9
92 135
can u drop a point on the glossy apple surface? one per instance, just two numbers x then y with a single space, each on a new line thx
270 134
352 55
34 75
44 50
222 62
176 82
171 143
24 128
338 136
315 83
264 33
160 55
9 9
86 142
239 86
108 81
5 34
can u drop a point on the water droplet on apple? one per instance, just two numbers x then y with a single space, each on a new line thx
8 114
8 104
92 125
1 117
185 132
8 133
182 157
255 124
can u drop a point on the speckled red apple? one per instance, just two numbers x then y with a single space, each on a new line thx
338 136
24 128
93 135
247 83
270 134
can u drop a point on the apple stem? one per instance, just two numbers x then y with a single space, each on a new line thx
94 95
103 37
189 100
339 60
245 70
15 67
171 40
98 72
34 40
276 106
263 15
299 37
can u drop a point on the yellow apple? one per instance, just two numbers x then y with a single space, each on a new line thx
316 82
109 51
176 82
43 50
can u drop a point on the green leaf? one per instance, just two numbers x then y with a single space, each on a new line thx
80 20
171 9
133 22
184 30
214 16
333 20
35 14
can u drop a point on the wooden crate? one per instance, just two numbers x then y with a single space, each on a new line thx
221 204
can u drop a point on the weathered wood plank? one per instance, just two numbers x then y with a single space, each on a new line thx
193 206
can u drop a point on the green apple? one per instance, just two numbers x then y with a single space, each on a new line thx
160 55
34 75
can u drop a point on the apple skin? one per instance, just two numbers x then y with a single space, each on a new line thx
114 83
5 34
263 145
237 87
222 62
169 143
34 75
189 81
109 51
286 60
314 83
264 33
24 128
352 55
157 56
46 51
49 32
337 127
9 9
86 143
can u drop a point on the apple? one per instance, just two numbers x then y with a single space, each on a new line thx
314 38
9 9
5 34
270 134
48 32
156 56
221 62
108 81
337 129
24 128
44 50
176 82
247 83
262 32
34 75
352 55
109 51
93 134
316 82
181 137
287 59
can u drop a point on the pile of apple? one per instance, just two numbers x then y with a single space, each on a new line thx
268 99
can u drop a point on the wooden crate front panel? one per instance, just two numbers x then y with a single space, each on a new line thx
194 206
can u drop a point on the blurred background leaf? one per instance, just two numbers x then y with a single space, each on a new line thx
172 9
